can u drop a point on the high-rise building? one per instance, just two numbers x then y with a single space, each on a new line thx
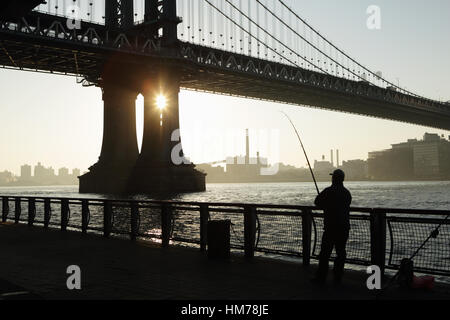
25 172
63 172
76 173
415 159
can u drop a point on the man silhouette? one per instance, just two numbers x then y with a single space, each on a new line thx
335 202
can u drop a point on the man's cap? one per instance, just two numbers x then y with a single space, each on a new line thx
339 174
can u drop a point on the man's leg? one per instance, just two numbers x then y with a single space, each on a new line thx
326 248
341 255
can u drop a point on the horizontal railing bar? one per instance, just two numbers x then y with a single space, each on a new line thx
238 205
418 220
280 213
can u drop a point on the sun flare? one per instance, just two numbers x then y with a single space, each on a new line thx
161 102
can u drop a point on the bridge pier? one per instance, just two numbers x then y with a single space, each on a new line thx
119 148
161 166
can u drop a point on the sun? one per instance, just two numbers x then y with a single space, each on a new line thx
161 102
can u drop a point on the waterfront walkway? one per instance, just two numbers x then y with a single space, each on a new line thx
35 260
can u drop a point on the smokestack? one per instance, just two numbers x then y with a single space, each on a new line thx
337 158
247 148
332 158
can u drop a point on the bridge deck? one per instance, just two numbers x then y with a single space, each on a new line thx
36 259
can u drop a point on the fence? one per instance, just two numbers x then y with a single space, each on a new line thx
377 236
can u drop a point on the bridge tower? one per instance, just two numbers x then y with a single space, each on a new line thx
161 166
119 14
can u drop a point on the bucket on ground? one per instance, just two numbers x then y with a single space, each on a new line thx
219 239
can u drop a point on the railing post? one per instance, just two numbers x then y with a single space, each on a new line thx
17 210
306 236
31 211
64 214
5 208
204 217
378 238
47 212
107 218
84 215
134 221
249 231
166 223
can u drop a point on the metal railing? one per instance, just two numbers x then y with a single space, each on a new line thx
378 236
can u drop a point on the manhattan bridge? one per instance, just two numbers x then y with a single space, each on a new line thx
259 49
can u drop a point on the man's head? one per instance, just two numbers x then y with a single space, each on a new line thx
338 176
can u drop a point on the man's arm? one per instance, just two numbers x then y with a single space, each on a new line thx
349 198
320 201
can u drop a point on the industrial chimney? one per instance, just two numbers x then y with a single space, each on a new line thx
247 148
332 158
337 158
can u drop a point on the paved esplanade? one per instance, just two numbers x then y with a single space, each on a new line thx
36 260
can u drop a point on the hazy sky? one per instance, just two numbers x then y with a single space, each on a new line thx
54 120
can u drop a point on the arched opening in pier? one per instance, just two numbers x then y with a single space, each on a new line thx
140 120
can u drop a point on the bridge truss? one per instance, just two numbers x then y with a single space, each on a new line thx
249 48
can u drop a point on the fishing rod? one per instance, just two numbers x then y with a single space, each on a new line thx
434 234
304 151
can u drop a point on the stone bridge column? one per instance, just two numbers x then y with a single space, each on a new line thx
155 169
119 148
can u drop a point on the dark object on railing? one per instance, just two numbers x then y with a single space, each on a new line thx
107 218
31 211
5 208
219 239
134 221
85 215
306 236
378 238
64 214
166 223
47 212
204 217
17 210
405 273
249 231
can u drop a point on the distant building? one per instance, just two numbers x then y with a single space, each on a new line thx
245 167
44 175
355 169
323 166
6 177
76 173
25 172
63 173
415 159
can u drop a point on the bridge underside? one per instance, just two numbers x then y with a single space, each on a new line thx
14 8
69 59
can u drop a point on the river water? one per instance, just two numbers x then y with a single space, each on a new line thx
410 195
